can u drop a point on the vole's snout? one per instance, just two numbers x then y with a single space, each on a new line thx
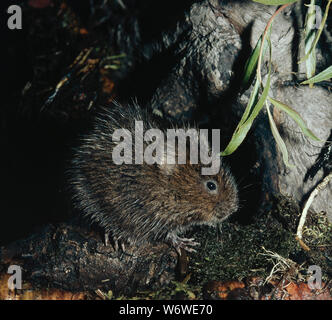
231 204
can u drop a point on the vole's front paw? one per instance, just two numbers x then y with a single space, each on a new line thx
184 243
115 241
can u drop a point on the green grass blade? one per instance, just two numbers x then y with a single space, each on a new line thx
251 64
322 76
241 131
320 29
252 100
280 142
296 117
250 67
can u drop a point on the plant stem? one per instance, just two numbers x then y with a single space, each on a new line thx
263 39
313 194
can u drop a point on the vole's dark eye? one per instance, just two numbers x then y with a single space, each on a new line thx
211 186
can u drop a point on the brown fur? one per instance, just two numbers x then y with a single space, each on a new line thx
143 203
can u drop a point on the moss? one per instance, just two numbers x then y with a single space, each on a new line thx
239 252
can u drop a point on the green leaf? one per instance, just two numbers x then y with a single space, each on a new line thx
251 64
280 142
296 117
275 2
250 67
324 75
244 125
241 132
320 29
252 100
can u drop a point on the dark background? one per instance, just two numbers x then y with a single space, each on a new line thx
36 137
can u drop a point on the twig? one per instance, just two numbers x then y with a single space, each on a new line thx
313 194
280 264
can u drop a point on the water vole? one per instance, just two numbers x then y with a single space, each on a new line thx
139 203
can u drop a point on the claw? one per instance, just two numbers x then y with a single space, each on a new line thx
184 243
116 245
116 242
123 247
107 237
